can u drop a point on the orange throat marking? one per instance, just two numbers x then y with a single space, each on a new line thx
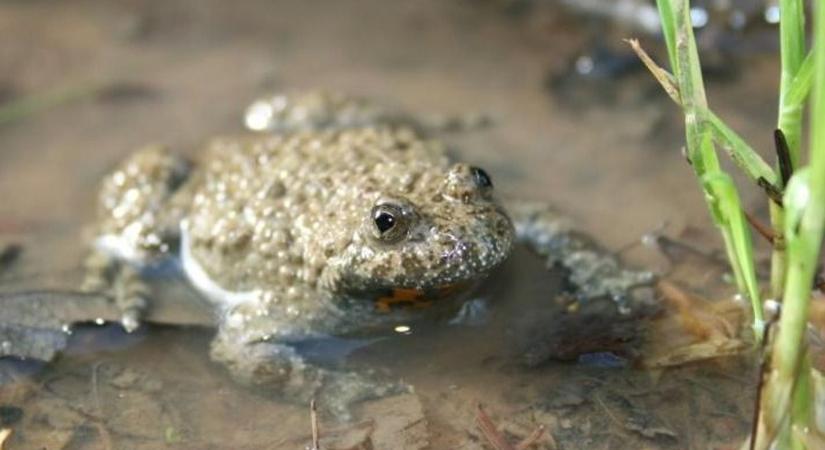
411 298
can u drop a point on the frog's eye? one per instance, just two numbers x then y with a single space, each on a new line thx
390 223
481 178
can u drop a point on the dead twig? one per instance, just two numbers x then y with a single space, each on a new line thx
610 415
764 230
691 308
105 436
764 366
489 430
664 77
313 421
496 438
671 87
534 437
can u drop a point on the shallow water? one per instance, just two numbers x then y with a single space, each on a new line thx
123 74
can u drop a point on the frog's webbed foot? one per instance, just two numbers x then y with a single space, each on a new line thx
277 368
129 292
131 295
592 271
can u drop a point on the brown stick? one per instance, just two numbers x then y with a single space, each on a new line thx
765 231
313 420
489 430
532 439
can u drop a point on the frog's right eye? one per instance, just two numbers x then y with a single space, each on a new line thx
481 178
389 222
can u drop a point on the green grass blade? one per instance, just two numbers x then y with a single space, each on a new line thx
726 209
800 86
700 128
718 186
28 106
692 90
789 120
792 53
667 19
806 220
787 390
802 246
742 154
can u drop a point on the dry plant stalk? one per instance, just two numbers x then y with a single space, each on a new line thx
496 438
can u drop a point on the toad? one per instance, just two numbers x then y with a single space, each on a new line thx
332 218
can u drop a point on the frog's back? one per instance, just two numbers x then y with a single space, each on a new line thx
275 208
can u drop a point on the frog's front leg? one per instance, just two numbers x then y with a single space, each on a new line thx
139 207
260 353
591 271
129 292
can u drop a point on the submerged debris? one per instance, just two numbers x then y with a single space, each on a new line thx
393 422
694 329
635 419
595 333
592 272
496 438
643 426
313 420
36 324
601 305
86 403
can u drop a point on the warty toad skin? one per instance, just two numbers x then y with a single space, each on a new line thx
331 226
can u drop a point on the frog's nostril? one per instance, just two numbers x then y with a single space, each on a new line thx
466 183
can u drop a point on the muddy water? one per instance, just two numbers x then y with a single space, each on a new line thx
116 75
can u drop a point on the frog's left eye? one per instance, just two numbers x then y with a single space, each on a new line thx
481 178
389 222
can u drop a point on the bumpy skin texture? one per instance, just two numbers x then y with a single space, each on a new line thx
136 217
292 217
345 223
318 110
307 234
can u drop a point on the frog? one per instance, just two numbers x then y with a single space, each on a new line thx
329 217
